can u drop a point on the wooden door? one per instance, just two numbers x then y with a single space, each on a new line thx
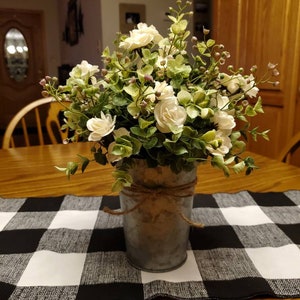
16 93
257 32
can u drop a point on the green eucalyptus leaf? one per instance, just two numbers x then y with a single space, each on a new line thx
72 167
145 133
199 96
150 143
249 111
237 168
61 169
122 150
133 109
258 106
192 111
132 90
218 162
100 158
145 123
84 162
209 136
184 97
210 43
119 100
265 135
179 27
175 148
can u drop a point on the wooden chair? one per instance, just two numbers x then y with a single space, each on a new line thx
292 145
52 121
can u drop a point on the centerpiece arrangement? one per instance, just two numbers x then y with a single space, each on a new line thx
156 112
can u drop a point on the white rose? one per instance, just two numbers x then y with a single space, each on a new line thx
164 91
100 127
140 37
224 121
225 144
150 30
170 116
84 70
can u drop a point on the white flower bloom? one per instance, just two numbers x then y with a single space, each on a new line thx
164 91
225 144
232 83
221 102
100 127
84 70
249 87
140 37
170 116
224 121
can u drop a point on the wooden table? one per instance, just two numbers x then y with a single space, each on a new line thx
30 172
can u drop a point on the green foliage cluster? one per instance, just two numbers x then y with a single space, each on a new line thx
177 108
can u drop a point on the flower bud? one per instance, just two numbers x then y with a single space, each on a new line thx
104 72
132 80
148 77
205 31
271 66
222 61
45 94
194 39
245 102
217 54
253 69
163 62
230 68
43 82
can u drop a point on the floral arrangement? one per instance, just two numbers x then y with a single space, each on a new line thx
153 100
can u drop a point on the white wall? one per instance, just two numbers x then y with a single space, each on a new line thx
50 9
89 43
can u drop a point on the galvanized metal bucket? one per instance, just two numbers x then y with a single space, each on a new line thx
155 209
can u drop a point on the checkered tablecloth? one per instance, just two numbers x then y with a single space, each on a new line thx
68 248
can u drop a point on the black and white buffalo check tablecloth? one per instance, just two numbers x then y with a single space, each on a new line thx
68 248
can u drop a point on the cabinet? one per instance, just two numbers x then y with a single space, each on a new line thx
256 32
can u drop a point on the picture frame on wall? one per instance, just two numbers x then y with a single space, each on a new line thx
130 15
73 22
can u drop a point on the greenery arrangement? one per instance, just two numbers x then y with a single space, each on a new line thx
153 100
